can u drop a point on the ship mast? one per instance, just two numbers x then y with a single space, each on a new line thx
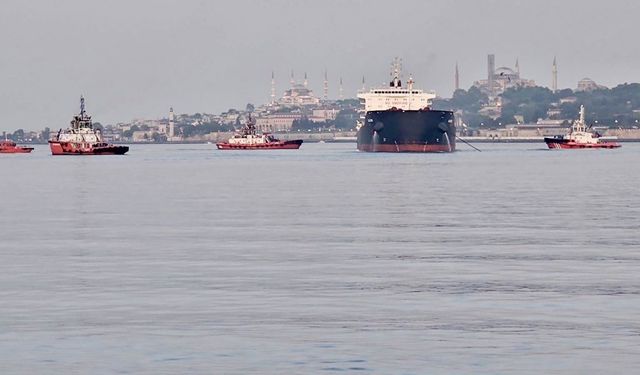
579 125
396 68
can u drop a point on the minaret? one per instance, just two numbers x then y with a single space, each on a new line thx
517 67
457 79
305 79
341 96
491 69
325 86
292 81
273 88
363 84
554 79
171 124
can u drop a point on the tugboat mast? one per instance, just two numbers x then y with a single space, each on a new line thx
579 125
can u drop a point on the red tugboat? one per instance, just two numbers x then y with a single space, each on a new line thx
579 137
82 139
10 147
247 139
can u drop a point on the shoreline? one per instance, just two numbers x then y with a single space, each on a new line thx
469 139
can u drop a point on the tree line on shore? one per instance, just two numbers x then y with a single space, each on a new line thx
615 107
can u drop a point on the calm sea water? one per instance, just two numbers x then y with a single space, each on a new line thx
185 259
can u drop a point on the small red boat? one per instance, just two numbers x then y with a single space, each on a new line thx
247 139
579 137
10 147
82 139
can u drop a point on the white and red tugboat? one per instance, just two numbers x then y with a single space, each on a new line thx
82 139
579 137
247 139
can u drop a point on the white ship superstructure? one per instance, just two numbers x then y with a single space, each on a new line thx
395 96
579 131
81 130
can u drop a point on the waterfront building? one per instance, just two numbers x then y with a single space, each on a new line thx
276 122
324 114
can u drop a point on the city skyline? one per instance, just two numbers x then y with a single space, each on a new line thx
185 55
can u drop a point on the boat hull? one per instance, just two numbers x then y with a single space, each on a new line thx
281 145
69 148
407 131
556 144
16 150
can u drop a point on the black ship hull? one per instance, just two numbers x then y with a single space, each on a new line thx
407 131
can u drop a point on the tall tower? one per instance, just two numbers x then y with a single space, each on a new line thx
273 88
457 79
292 81
554 78
325 87
491 68
341 96
171 123
363 84
518 67
305 79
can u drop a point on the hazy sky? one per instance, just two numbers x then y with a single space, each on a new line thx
136 58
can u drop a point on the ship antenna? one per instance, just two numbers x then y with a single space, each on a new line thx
81 105
396 67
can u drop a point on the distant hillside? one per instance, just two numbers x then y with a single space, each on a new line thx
615 107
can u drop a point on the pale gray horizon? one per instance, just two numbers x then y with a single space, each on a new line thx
135 59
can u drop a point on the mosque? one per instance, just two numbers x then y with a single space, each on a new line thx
587 84
500 79
298 95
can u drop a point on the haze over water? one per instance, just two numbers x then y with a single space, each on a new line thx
184 259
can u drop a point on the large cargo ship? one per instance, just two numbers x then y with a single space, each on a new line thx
401 119
82 139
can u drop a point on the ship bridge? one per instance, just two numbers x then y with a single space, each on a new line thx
395 96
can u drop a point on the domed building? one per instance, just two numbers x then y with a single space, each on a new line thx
501 79
298 95
587 84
